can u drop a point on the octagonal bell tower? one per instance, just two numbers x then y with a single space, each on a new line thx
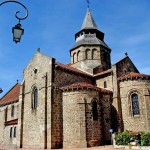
90 52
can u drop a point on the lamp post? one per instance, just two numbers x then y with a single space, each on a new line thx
17 30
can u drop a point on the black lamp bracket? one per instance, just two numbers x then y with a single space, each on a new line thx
16 14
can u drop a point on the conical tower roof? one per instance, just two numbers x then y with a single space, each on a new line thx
88 22
89 33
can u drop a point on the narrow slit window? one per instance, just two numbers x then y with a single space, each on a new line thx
11 132
12 110
14 131
94 109
35 98
6 114
105 84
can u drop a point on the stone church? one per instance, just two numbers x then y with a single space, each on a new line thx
76 104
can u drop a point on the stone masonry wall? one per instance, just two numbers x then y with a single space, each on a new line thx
83 63
105 58
87 58
78 128
140 122
5 130
35 124
2 120
125 66
62 78
10 141
106 106
16 111
57 119
106 78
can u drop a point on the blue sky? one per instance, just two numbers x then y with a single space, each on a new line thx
51 26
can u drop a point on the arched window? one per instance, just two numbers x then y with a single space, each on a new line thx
12 110
94 52
35 98
14 131
135 104
87 54
105 84
74 57
78 56
5 116
94 110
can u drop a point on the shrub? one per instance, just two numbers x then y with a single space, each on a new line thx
123 138
145 137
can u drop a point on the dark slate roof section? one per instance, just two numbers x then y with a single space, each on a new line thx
71 69
88 22
11 96
121 60
126 57
103 72
84 86
89 40
134 75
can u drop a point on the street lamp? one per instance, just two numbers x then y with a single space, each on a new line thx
17 30
1 90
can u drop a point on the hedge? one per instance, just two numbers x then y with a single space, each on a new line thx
123 138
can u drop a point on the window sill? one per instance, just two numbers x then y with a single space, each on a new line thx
136 116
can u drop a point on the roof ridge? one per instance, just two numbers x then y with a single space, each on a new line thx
85 85
70 68
132 75
103 72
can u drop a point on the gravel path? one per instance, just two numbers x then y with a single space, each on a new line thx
93 148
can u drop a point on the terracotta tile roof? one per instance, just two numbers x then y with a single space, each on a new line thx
103 72
11 96
84 86
134 75
71 69
11 122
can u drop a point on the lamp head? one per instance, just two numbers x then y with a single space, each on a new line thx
17 31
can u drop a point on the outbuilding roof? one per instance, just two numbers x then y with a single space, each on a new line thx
11 96
134 75
84 86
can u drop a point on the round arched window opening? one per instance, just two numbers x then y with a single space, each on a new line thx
105 84
135 104
35 71
35 98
